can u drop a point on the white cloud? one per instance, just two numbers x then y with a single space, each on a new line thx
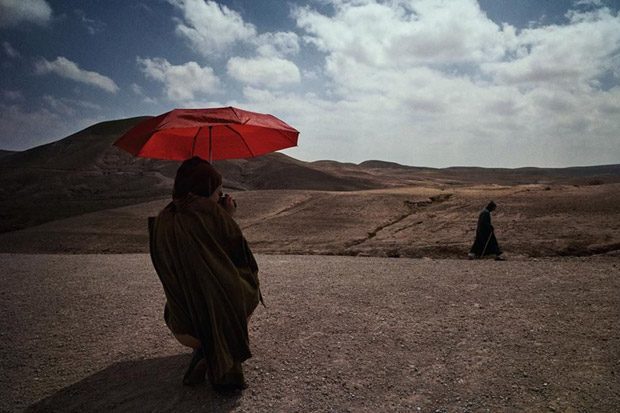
14 95
10 51
137 89
406 33
16 12
58 106
574 55
150 101
92 26
214 30
467 125
211 28
66 68
421 82
181 82
67 106
265 71
277 44
370 45
596 3
28 128
429 83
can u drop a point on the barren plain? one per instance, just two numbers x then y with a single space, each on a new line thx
371 302
338 334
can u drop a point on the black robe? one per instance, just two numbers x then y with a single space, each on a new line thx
210 279
485 242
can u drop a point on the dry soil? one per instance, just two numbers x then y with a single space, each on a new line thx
84 333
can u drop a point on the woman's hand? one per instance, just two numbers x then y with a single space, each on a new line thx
228 203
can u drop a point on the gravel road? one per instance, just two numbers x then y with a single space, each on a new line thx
85 333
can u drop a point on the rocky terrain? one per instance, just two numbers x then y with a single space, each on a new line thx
82 194
84 333
371 302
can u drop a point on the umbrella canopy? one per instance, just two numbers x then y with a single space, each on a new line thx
213 134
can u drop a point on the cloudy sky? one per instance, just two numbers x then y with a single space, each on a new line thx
438 83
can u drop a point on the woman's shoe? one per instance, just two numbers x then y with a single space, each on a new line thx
197 369
230 388
232 382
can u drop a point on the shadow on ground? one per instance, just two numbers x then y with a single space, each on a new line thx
137 385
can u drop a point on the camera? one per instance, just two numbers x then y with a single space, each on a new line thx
222 201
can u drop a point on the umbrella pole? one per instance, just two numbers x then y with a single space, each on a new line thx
210 146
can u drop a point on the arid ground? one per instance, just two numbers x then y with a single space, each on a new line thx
416 222
360 334
371 302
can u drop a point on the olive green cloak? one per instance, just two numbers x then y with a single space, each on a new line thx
210 279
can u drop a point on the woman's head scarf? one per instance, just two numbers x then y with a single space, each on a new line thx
197 176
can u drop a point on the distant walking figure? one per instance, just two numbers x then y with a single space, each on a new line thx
209 275
485 242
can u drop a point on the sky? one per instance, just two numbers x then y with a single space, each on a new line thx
491 83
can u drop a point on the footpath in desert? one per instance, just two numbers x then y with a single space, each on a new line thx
371 303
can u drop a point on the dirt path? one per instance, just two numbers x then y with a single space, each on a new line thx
84 333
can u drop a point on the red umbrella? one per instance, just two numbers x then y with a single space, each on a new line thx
218 133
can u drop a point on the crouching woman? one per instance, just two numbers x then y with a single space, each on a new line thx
209 275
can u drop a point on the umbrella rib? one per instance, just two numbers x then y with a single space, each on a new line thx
236 114
288 138
242 140
194 142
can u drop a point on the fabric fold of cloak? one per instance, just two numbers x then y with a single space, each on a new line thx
485 242
210 279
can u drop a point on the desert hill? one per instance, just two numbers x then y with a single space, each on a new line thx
92 197
5 153
532 221
85 172
468 175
